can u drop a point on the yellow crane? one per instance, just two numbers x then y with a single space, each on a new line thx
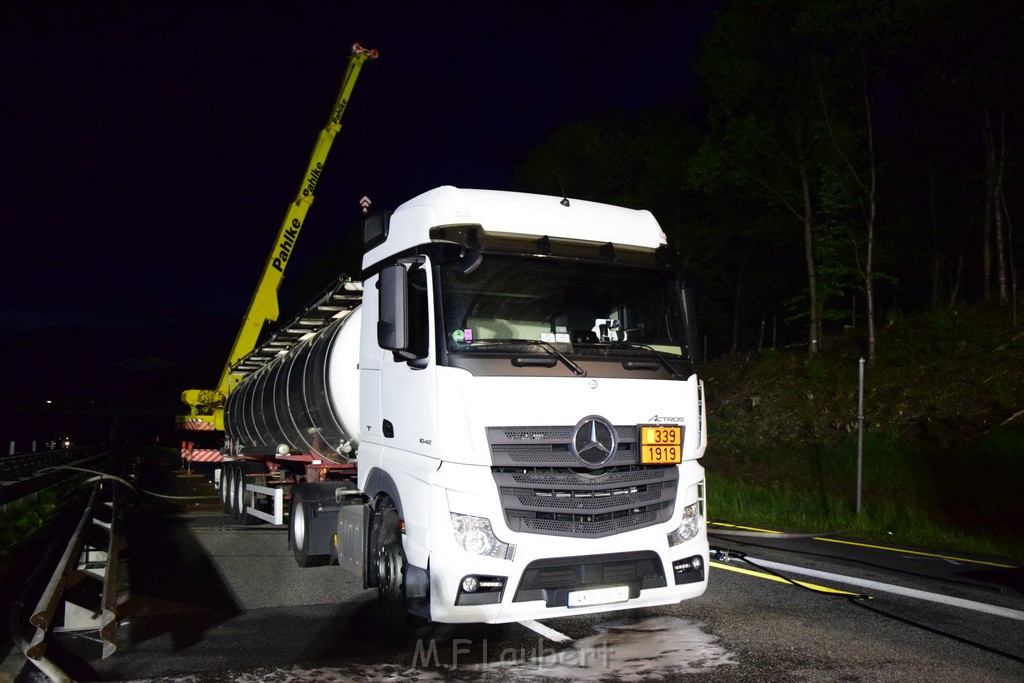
206 406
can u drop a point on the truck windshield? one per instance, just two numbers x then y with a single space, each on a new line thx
575 309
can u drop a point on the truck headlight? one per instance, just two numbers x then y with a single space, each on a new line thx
689 527
474 535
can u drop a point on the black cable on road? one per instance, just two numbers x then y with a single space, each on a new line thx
861 600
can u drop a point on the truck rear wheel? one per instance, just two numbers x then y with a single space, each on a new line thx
301 527
391 568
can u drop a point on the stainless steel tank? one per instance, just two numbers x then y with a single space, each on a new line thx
305 401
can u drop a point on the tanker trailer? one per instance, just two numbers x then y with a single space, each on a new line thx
503 422
292 423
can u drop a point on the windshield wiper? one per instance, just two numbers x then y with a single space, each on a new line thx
547 346
657 354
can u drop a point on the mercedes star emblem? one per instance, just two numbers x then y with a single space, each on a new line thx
594 440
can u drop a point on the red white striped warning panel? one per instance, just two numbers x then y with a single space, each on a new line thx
194 425
201 455
204 456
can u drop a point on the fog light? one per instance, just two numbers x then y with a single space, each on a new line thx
480 590
689 570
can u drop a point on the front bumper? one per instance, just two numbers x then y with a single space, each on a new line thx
554 586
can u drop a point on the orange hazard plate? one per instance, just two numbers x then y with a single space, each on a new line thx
661 445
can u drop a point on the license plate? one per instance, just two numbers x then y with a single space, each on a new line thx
599 596
661 445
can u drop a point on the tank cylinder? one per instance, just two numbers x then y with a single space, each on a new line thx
306 399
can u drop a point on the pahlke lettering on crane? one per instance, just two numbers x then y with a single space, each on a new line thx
313 179
285 247
336 119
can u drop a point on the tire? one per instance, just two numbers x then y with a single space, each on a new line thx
389 556
240 497
233 496
246 470
227 486
300 528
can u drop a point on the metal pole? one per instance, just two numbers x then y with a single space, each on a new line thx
860 430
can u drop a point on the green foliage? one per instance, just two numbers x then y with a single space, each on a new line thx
25 518
942 447
788 86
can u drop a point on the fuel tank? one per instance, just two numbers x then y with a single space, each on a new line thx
306 400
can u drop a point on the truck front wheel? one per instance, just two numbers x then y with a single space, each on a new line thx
391 568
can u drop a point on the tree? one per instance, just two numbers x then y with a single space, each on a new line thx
978 69
848 34
758 77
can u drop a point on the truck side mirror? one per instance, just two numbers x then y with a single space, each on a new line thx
393 309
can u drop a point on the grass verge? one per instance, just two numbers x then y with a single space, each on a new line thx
780 508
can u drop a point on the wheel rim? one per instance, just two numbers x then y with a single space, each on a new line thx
390 567
240 493
224 484
299 525
227 486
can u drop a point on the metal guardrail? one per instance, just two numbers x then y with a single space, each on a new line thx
85 579
84 582
19 470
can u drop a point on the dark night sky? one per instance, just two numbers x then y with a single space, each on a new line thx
151 148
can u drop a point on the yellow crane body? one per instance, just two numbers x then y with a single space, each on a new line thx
206 406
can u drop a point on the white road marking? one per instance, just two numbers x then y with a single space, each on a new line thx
898 590
546 631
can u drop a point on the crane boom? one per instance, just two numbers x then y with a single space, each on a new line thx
206 407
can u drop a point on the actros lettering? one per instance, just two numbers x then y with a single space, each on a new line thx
666 418
313 179
284 249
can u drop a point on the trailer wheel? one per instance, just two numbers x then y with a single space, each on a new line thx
262 504
227 486
391 567
300 528
242 477
234 479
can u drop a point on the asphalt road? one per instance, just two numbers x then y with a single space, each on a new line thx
212 601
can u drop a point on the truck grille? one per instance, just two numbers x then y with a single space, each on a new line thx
545 490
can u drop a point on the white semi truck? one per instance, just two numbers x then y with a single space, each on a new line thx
501 422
